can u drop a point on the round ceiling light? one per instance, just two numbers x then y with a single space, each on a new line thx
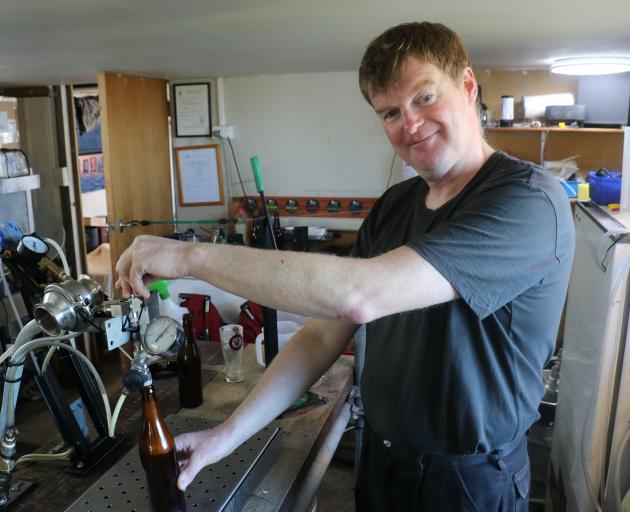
591 65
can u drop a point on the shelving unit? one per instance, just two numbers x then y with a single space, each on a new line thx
555 129
592 147
19 184
16 202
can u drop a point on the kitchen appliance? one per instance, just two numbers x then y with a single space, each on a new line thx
571 115
507 111
590 453
534 106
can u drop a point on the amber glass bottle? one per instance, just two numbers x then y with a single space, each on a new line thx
189 368
159 458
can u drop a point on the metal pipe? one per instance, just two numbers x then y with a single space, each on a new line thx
9 397
19 356
316 472
360 338
7 464
54 270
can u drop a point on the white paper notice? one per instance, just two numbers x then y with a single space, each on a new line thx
193 110
199 175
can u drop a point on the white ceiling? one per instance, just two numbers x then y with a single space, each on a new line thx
70 41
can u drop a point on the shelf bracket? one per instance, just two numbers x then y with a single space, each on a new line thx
543 143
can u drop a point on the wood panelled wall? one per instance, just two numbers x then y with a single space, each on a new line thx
593 148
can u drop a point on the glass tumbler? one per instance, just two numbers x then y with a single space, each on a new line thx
232 349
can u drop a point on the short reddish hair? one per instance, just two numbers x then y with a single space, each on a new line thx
385 56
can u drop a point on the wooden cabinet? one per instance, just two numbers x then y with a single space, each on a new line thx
592 147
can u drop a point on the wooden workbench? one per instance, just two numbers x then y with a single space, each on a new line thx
302 434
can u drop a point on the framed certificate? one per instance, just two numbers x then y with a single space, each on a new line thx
192 110
199 175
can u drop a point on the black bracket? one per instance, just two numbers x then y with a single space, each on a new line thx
87 452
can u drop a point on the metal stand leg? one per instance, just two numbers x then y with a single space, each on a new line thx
88 453
357 413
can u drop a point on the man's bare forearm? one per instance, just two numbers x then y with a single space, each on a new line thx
358 290
355 289
296 367
312 284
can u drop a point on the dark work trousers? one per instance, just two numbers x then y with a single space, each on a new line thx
391 479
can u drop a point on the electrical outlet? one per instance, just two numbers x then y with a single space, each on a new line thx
224 131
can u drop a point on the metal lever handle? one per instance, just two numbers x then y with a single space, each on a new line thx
122 225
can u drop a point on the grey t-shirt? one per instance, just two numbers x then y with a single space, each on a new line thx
465 376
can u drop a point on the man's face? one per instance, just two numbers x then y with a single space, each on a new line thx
429 119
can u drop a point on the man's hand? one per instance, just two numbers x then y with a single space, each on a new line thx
148 259
198 449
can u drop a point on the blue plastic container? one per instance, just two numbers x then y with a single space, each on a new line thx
570 187
605 189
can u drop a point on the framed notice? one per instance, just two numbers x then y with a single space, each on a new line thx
192 110
199 175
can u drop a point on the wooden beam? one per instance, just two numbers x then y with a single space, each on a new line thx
27 92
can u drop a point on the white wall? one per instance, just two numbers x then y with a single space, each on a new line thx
183 213
314 134
94 204
606 98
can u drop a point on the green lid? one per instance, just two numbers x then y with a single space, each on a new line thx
161 287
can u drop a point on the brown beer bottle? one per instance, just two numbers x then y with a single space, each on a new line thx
189 368
159 458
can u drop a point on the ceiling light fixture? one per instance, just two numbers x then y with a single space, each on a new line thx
591 65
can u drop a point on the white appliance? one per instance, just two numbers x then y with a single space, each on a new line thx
592 419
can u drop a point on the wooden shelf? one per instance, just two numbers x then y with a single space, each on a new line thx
19 184
555 129
95 222
592 148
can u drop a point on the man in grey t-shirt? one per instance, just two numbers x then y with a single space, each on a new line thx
461 275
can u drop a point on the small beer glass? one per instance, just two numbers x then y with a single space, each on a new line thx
232 349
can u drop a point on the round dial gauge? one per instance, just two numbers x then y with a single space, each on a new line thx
251 204
355 207
164 336
312 205
272 205
333 206
32 247
291 206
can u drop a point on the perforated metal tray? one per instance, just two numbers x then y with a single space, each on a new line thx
224 486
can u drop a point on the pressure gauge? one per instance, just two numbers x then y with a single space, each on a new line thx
163 336
312 205
32 248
